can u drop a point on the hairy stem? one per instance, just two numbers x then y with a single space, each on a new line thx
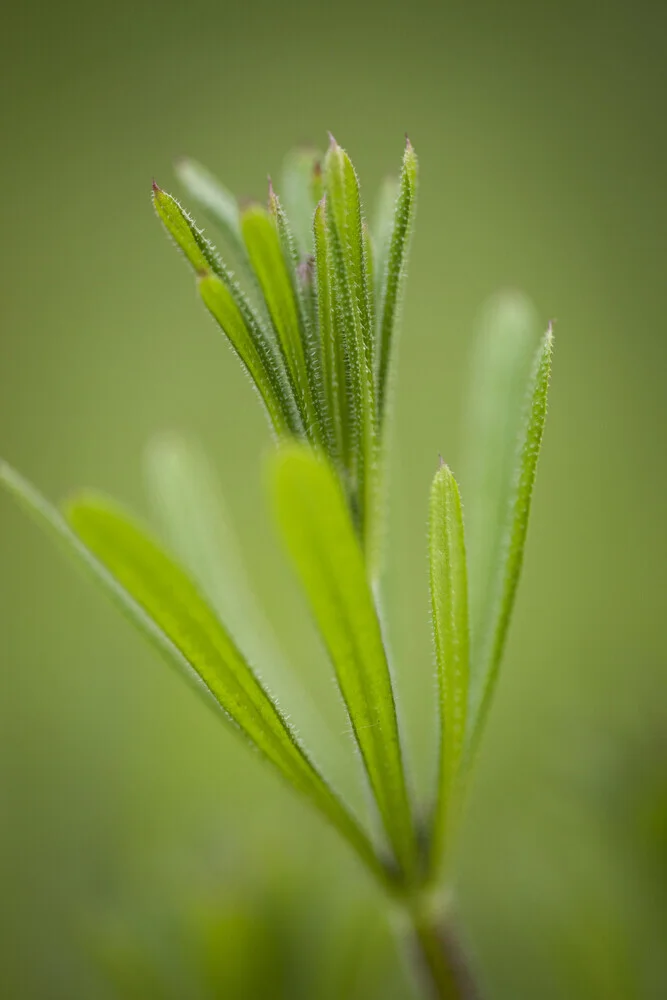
441 964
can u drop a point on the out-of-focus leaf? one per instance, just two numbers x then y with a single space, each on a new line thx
301 189
217 203
226 302
353 319
320 537
188 503
381 230
393 264
510 524
254 354
266 254
162 601
449 611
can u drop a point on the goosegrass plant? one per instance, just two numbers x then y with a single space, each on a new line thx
307 293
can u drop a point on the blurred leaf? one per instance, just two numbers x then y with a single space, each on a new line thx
353 319
161 600
301 188
268 260
508 529
449 611
218 204
316 525
189 504
254 354
381 231
391 269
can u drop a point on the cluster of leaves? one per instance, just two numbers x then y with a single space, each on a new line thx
312 316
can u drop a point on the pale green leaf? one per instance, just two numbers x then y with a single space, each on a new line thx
381 230
189 505
353 319
511 526
315 522
301 187
449 611
262 241
393 263
163 602
218 204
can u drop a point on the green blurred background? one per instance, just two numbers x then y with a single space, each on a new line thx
135 834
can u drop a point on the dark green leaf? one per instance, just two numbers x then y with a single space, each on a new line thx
315 522
273 273
449 610
393 263
332 348
353 317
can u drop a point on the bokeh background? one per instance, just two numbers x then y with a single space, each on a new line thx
143 852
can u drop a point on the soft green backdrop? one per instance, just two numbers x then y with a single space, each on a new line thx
543 142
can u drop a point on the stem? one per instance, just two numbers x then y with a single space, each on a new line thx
438 955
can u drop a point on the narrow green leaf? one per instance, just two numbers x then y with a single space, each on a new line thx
393 274
315 522
301 278
332 349
301 188
449 610
188 237
513 525
352 315
162 601
268 260
229 306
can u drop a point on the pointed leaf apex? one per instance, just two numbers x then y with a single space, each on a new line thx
156 188
408 144
441 462
332 141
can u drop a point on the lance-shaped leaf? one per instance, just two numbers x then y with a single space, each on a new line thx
449 611
301 279
320 537
164 603
301 188
353 318
266 254
512 527
393 263
331 347
226 302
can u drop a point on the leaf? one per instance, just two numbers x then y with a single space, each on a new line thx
449 610
230 308
268 260
381 231
511 527
258 362
162 601
301 188
315 523
393 272
352 315
192 512
332 349
218 205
